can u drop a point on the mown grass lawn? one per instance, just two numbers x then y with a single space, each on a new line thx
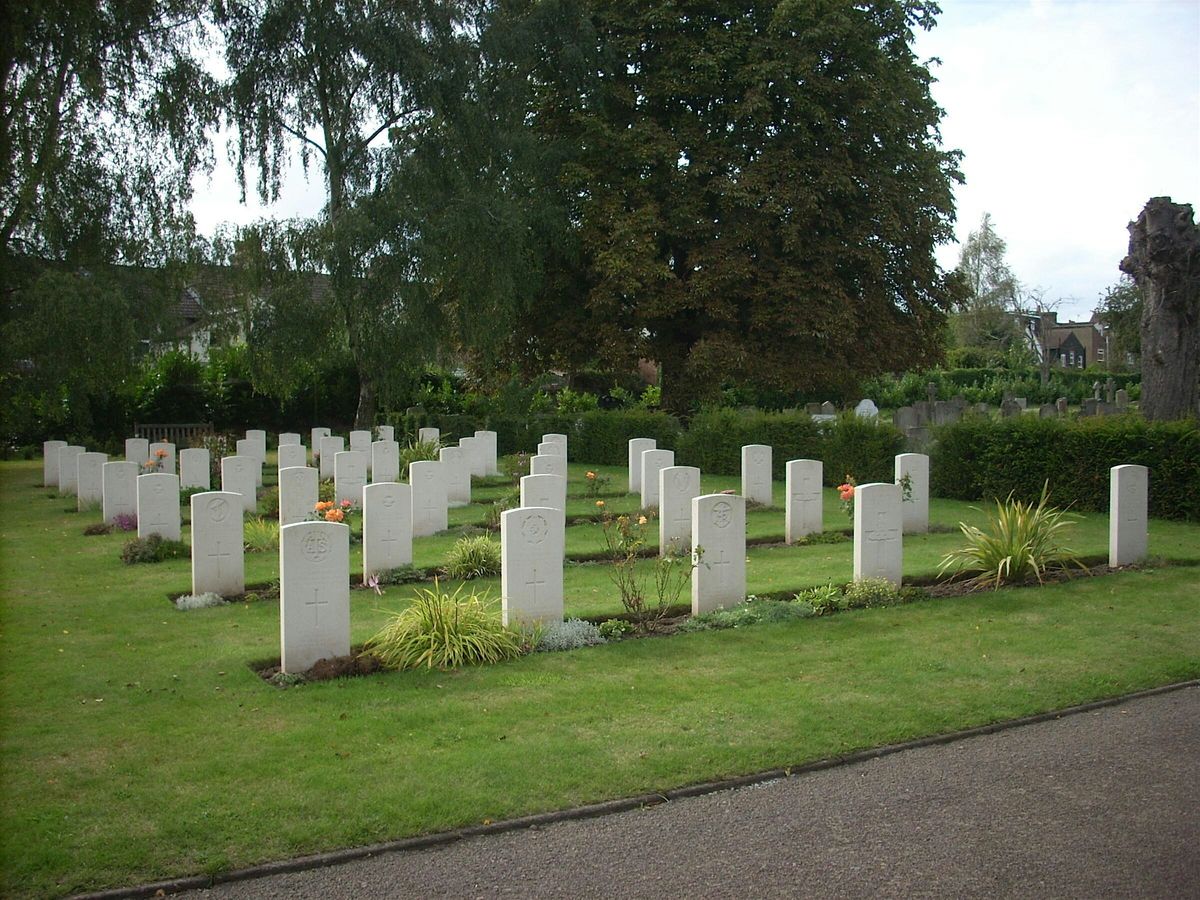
136 743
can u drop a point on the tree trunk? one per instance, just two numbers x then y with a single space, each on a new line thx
364 417
1164 260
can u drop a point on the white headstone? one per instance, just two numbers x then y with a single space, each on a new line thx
653 461
237 477
120 489
489 445
718 552
532 542
756 473
218 561
552 448
678 486
385 461
289 439
544 490
387 527
878 529
350 476
556 439
914 512
158 505
50 462
168 459
458 475
428 481
68 475
866 409
330 447
314 438
298 494
360 441
386 432
137 450
550 464
314 595
248 448
1128 514
428 435
260 443
636 446
194 470
89 478
476 452
805 509
291 456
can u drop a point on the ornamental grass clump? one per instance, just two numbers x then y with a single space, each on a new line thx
473 557
1023 541
445 631
261 535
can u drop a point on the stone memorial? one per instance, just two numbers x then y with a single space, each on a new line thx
248 448
544 490
905 417
50 462
158 505
653 462
137 450
756 474
289 439
218 560
878 529
330 447
532 543
387 527
475 451
914 509
636 447
428 481
291 456
349 476
68 475
89 479
194 469
1010 408
548 465
237 477
314 593
259 437
552 448
828 409
489 445
866 409
314 440
299 490
1121 399
805 512
119 480
718 552
554 438
1128 512
1062 405
429 435
458 475
168 461
678 486
386 432
385 461
360 442
1047 411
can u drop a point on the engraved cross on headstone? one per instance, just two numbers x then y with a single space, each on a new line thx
316 603
720 570
879 536
534 582
218 556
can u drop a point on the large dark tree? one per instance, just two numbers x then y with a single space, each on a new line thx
755 192
1164 260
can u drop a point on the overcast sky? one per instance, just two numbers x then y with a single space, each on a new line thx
1071 114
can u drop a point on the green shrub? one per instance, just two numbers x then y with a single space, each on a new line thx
406 574
260 535
863 448
152 549
509 501
444 631
614 629
185 494
1022 541
822 600
97 528
569 635
473 557
868 593
752 612
268 499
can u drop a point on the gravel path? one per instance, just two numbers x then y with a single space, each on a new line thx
1101 804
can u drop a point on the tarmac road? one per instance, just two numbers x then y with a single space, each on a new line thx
1100 804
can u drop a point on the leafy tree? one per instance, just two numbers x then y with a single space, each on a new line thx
754 192
1120 310
985 316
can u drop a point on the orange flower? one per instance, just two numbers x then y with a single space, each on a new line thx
151 462
334 515
600 503
846 491
641 520
160 453
591 474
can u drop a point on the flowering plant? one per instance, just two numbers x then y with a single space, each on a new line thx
328 511
155 463
596 483
625 542
846 495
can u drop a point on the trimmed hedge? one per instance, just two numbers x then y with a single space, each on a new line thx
981 459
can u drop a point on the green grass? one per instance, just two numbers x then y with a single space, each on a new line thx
136 743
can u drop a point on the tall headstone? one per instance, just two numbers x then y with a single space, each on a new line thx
315 436
429 505
330 448
548 465
194 470
259 437
349 476
68 475
552 448
458 475
489 445
878 529
718 552
89 479
1062 405
218 560
1009 408
158 505
289 439
1128 514
544 490
120 490
360 441
636 447
756 473
914 509
50 462
137 450
314 593
167 464
386 432
555 438
237 477
290 456
653 462
248 449
1122 399
299 491
387 527
429 435
678 486
532 542
385 461
866 409
805 511
475 450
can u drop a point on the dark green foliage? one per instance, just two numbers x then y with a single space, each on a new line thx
152 549
988 385
981 459
752 612
865 449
